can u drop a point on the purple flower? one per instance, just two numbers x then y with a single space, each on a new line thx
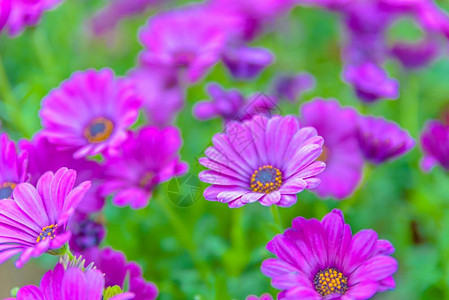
245 63
70 283
90 112
290 87
16 15
435 145
231 105
162 95
416 55
40 150
13 166
116 269
255 16
341 153
264 160
262 297
36 220
381 140
371 82
108 17
147 158
189 39
323 260
86 233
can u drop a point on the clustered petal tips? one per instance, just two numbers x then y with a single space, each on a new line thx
322 259
435 145
264 160
35 221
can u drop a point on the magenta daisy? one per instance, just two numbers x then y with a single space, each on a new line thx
90 112
16 15
341 152
324 260
264 160
190 39
381 140
13 166
435 145
117 270
147 158
36 220
72 283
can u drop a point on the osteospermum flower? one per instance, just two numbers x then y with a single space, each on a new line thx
435 145
382 140
147 158
86 233
245 63
35 221
40 149
371 82
323 260
16 15
90 112
264 160
13 166
341 153
189 39
117 270
231 105
71 283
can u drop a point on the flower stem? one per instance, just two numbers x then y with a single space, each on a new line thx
277 217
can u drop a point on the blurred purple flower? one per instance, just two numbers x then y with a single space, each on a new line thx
230 105
162 95
262 297
16 15
435 145
13 166
90 112
264 160
36 220
109 16
255 15
323 260
416 55
341 153
371 82
245 63
147 158
291 87
86 233
40 150
381 140
190 39
116 269
70 283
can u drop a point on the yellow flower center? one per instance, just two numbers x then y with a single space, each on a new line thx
266 179
47 232
6 189
98 130
330 281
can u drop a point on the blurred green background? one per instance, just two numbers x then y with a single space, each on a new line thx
195 249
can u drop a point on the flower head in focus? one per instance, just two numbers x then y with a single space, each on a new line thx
262 160
36 220
324 260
